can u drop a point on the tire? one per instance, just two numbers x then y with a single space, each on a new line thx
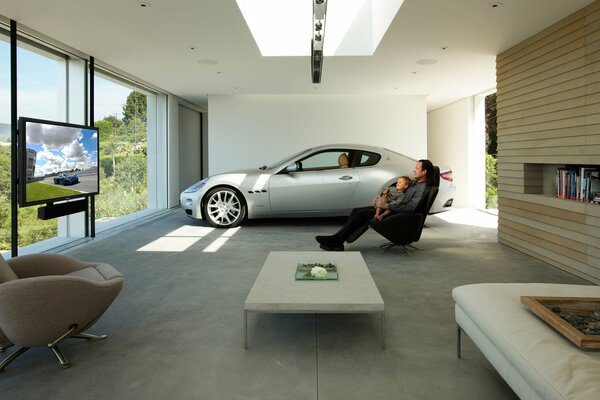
224 208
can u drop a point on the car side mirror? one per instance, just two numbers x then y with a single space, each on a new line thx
292 168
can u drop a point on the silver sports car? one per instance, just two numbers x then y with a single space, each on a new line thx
327 180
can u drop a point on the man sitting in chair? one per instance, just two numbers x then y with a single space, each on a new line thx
359 217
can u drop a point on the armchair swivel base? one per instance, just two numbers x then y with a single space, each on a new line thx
404 248
52 346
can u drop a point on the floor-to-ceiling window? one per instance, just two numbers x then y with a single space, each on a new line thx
42 92
5 142
121 115
52 84
132 124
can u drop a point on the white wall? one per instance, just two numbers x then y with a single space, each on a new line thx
454 141
248 131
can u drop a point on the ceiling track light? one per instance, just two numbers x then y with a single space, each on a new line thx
318 38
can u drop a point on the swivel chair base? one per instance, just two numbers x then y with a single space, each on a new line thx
54 347
404 248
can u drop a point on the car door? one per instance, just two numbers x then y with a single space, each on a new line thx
319 184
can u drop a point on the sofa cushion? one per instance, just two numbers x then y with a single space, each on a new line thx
6 272
554 367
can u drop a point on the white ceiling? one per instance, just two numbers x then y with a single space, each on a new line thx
153 43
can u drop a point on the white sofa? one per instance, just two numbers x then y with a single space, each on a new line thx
534 359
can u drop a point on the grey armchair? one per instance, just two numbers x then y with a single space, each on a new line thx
47 298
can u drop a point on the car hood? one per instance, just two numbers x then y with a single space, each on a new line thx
248 171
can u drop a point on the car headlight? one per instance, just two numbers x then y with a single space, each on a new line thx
196 186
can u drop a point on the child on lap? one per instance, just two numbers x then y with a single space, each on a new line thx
392 195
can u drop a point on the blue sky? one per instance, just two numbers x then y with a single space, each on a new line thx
38 93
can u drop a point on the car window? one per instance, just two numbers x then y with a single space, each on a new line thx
368 159
322 160
278 163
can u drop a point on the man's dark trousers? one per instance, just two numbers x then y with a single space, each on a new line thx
358 217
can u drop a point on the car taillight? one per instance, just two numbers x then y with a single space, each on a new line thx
447 176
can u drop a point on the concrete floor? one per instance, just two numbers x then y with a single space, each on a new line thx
176 330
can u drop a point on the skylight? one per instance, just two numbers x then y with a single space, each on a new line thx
284 27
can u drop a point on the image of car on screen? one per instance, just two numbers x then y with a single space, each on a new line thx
323 181
66 179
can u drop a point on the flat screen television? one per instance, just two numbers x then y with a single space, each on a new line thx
57 161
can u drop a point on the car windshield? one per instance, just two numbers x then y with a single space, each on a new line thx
278 163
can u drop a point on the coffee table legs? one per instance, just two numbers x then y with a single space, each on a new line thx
383 330
246 330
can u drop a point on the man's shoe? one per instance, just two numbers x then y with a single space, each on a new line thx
332 247
328 240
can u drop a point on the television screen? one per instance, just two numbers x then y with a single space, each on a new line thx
57 161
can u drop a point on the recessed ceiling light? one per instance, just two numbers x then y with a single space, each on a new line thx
426 61
413 72
144 4
207 61
219 72
444 47
496 4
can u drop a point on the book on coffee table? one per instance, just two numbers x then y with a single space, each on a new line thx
316 270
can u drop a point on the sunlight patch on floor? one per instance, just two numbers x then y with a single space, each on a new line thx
220 241
170 244
469 216
191 231
178 240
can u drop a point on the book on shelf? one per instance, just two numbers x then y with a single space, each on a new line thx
580 183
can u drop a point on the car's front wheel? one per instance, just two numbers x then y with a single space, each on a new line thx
224 208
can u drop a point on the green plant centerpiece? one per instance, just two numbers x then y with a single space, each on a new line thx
316 270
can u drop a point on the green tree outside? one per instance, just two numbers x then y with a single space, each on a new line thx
491 182
135 107
31 229
491 148
123 162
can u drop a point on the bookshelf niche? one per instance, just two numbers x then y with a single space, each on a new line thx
570 182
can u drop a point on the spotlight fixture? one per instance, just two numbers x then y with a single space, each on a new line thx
317 41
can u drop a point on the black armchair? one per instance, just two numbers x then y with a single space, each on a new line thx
403 229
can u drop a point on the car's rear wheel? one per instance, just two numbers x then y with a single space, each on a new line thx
224 208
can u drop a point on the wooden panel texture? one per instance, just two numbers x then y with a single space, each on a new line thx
548 102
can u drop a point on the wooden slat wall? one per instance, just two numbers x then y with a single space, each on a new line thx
548 91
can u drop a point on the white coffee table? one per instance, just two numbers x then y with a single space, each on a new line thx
277 291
